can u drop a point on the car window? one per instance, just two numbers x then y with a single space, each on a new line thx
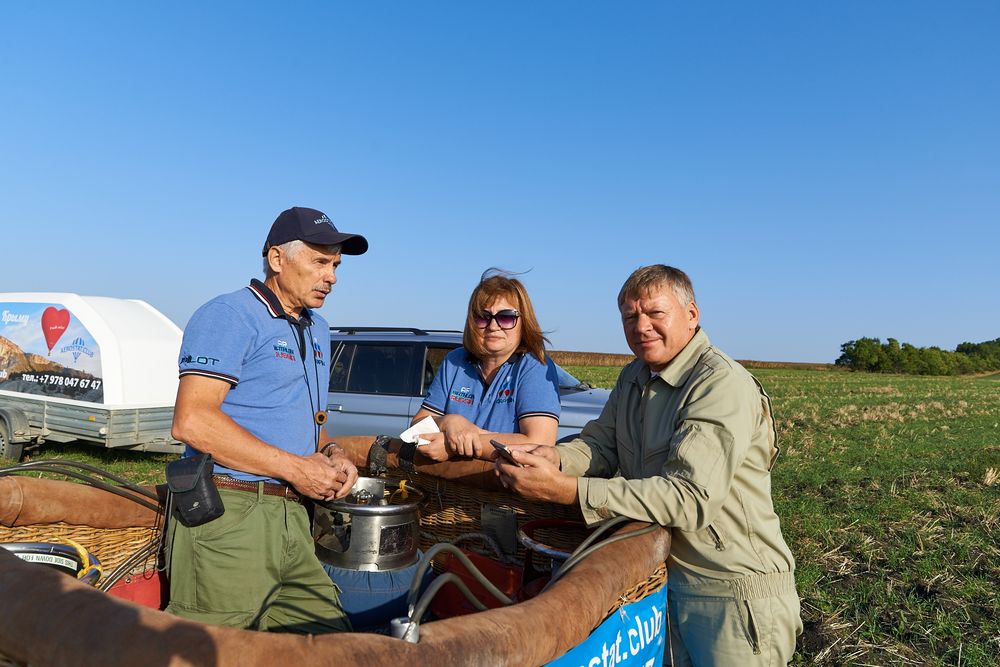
341 364
565 379
375 369
435 356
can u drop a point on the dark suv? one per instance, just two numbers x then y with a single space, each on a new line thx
380 375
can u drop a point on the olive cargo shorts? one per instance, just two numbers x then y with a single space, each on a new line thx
749 622
253 567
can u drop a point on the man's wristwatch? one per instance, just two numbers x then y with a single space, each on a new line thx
327 446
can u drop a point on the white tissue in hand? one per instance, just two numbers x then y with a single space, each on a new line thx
425 425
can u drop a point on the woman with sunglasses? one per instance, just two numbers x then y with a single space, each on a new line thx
499 384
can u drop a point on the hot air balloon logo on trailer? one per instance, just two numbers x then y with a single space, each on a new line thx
54 323
77 347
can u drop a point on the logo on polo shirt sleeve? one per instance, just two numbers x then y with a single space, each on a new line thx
199 359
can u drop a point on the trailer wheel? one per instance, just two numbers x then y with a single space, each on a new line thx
8 450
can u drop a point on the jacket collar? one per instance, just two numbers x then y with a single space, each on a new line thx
677 371
274 308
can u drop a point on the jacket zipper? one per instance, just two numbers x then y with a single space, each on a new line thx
719 545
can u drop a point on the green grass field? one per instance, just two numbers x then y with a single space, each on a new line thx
889 492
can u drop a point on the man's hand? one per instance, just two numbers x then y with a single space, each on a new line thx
321 477
547 452
345 466
461 436
540 478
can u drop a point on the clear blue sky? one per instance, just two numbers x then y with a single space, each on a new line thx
823 171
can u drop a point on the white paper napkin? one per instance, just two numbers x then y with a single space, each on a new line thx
425 425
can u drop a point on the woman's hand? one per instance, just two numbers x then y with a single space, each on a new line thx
435 449
461 436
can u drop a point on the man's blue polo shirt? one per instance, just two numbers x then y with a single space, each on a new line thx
523 387
246 339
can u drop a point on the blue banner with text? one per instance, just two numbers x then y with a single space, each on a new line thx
634 635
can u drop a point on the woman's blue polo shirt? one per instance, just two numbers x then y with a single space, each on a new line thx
523 387
246 339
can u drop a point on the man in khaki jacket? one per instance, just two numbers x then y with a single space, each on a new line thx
687 441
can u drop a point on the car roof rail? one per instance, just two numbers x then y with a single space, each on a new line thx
413 330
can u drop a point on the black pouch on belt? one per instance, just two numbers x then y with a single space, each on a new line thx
193 494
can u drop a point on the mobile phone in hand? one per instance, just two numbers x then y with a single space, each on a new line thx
504 452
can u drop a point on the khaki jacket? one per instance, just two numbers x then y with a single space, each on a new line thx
690 448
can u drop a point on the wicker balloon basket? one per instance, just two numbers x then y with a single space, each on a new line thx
111 546
450 510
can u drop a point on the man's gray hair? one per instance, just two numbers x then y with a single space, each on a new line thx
293 248
644 280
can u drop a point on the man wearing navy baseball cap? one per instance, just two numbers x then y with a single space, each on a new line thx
253 394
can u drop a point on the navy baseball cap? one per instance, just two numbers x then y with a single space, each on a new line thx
312 226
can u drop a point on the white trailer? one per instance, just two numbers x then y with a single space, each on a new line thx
97 369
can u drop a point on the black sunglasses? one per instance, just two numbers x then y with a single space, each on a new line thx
505 319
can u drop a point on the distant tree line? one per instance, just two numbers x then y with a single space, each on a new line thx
871 354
